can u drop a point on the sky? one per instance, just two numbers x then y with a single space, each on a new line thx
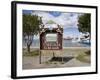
67 20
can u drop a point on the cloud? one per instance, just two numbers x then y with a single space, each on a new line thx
65 19
68 21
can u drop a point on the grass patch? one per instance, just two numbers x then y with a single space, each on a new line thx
88 52
32 53
47 62
62 62
83 58
54 62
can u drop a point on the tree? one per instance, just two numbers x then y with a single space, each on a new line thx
50 22
31 25
84 23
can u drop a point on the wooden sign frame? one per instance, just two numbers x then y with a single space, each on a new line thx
58 45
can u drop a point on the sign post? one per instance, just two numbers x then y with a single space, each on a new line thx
51 39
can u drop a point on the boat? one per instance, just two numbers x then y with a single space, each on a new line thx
76 39
86 41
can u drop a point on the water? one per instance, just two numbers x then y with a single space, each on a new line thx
69 43
66 43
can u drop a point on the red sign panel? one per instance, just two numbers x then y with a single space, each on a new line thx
51 39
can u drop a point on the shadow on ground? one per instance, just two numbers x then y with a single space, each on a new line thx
64 59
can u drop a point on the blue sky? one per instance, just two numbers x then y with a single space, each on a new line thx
68 20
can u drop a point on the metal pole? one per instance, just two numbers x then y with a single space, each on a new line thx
53 54
40 57
62 56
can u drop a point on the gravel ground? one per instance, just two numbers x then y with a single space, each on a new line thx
69 54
